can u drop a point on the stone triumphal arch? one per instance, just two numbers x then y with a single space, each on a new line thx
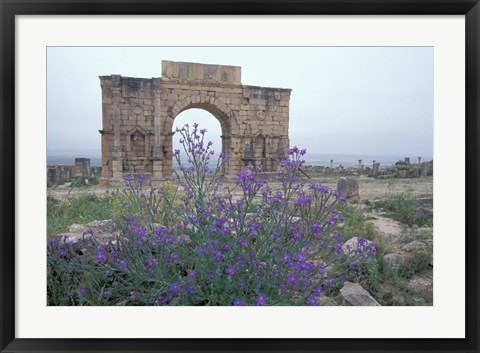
138 115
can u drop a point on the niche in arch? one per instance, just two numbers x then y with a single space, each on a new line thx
137 151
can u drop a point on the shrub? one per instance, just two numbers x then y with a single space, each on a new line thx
208 248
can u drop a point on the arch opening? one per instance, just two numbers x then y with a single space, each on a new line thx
205 120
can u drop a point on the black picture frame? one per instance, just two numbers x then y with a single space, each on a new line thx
10 8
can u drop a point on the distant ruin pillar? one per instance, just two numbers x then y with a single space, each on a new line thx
419 160
82 167
331 163
376 169
407 160
425 169
157 124
117 160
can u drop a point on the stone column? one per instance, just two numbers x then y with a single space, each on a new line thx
157 157
117 155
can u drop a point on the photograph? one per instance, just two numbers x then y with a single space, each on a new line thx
240 176
230 176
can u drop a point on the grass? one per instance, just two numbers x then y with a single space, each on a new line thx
79 208
84 208
403 208
357 225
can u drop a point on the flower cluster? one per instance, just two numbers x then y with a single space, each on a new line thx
197 175
213 244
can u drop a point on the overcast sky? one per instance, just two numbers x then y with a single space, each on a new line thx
345 100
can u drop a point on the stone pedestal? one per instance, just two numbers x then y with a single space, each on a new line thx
117 168
158 170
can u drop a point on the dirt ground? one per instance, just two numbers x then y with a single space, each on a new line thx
369 188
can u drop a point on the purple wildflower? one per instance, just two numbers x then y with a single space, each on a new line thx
242 242
151 263
292 279
261 300
170 240
238 302
297 235
175 287
312 301
278 197
101 256
123 265
316 229
318 291
190 288
300 256
52 241
231 270
217 255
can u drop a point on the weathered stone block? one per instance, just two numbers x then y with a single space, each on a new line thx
348 187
